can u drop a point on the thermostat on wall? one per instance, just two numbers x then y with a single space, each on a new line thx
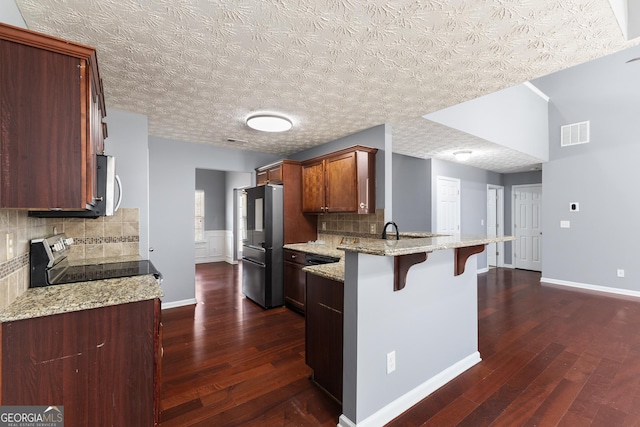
574 206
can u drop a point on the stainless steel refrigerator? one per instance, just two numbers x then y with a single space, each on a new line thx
262 263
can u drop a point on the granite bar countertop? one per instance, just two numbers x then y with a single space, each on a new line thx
411 245
57 299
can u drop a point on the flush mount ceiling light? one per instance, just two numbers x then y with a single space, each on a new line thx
269 123
462 156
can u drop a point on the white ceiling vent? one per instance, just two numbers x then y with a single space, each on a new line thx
576 133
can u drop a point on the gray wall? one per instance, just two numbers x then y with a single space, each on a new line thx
128 142
411 193
373 137
473 197
514 117
172 166
213 183
10 14
431 324
600 175
509 180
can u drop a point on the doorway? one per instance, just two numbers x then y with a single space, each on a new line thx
495 224
448 205
220 214
527 227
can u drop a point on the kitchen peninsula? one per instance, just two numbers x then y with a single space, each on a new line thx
410 303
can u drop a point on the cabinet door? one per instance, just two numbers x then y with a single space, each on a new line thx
98 364
95 141
341 175
261 177
274 175
294 286
323 325
313 187
41 117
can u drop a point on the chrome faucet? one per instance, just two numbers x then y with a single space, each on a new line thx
384 231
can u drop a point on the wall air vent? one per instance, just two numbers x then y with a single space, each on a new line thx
576 133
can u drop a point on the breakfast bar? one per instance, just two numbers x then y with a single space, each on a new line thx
410 321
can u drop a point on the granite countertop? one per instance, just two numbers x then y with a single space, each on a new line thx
57 299
412 245
332 271
316 248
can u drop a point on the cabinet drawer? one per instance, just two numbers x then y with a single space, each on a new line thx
295 257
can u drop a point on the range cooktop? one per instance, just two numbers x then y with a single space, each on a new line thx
83 273
49 265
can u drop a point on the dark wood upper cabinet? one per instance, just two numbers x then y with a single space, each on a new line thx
297 226
271 174
51 111
340 182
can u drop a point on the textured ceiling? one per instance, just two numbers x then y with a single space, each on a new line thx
198 68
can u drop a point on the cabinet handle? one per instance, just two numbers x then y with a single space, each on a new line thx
293 256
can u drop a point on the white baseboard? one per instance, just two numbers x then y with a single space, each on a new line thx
507 266
483 270
409 399
181 303
597 288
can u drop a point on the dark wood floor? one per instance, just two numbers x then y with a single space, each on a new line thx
550 356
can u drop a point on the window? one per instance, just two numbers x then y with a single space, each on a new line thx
199 215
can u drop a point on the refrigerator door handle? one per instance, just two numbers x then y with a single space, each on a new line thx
253 262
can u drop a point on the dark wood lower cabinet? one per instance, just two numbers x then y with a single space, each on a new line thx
323 340
294 280
101 364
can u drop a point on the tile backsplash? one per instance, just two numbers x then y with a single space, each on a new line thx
345 224
93 238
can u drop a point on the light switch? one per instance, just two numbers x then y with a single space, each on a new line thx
565 224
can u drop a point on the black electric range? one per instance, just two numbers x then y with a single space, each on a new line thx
49 265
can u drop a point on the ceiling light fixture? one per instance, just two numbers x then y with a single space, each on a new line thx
462 156
269 123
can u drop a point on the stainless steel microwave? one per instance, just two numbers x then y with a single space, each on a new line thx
108 198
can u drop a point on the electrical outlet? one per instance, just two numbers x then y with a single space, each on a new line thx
620 272
10 246
482 222
391 362
372 228
324 225
565 224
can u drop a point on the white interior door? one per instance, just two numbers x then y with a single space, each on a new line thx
448 202
527 227
495 224
492 229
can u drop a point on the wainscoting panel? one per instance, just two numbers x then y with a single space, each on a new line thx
212 248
